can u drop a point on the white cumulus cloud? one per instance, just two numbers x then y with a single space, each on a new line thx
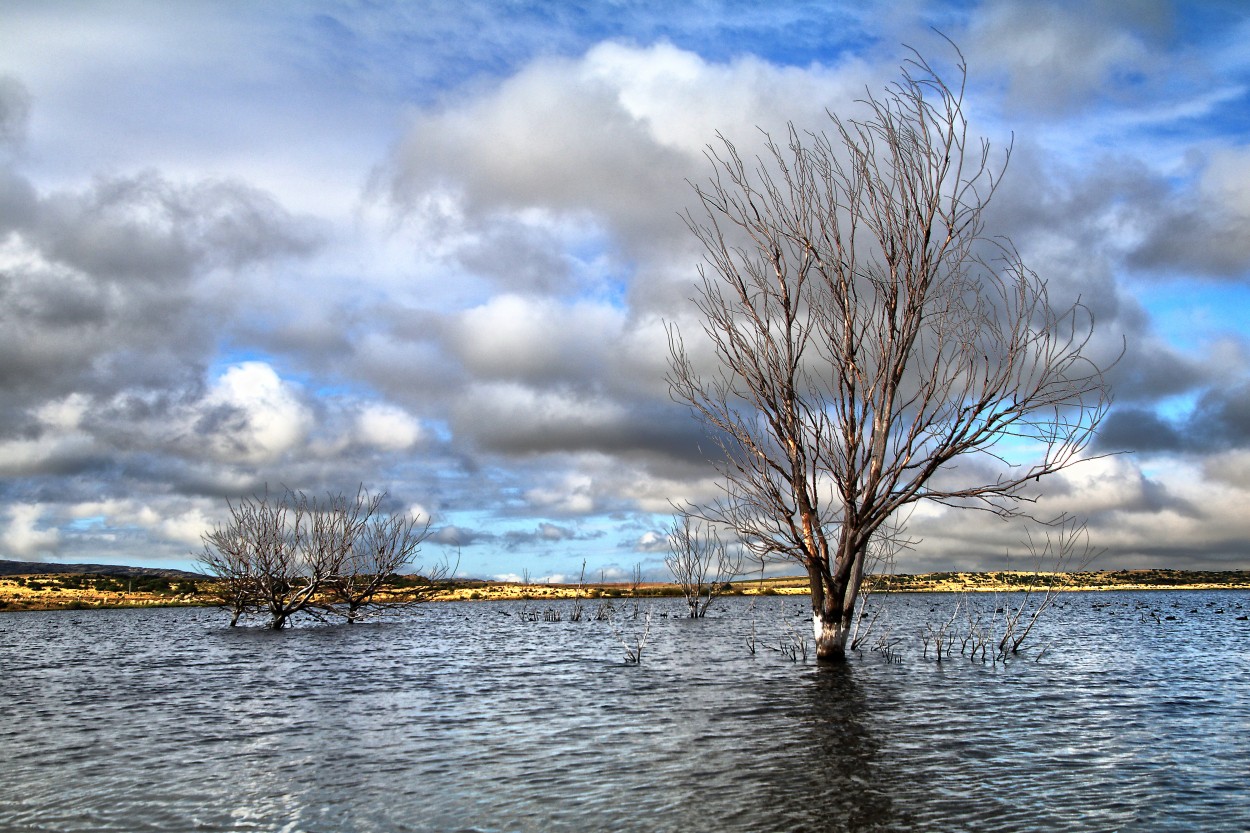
259 416
23 538
387 427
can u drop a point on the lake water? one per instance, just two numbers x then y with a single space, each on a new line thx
477 717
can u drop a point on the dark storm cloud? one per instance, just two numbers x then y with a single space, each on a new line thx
1139 429
534 260
1151 370
103 294
529 424
1190 235
1218 422
1094 232
1119 212
1115 214
1221 419
146 228
18 201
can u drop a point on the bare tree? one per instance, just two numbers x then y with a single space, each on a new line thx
260 556
636 639
875 346
291 554
700 561
1066 547
385 546
225 557
578 606
997 631
328 532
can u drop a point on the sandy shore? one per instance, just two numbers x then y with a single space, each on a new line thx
68 591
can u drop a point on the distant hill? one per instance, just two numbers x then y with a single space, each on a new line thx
31 568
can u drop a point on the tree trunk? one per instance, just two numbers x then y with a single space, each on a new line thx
829 627
833 611
831 630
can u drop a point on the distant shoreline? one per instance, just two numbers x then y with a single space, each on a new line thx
92 591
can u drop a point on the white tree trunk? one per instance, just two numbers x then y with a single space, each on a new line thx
830 637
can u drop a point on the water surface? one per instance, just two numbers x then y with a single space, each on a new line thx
478 717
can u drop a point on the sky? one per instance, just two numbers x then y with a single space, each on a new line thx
431 248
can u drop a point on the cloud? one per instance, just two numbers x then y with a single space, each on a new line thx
435 251
387 428
1141 511
252 415
652 541
1114 484
112 287
553 138
247 417
600 146
1112 233
1221 419
575 494
1204 229
144 228
1140 429
1218 420
14 111
1230 469
516 420
457 536
1062 54
180 524
538 341
546 534
23 539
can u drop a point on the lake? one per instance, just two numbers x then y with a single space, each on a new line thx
487 717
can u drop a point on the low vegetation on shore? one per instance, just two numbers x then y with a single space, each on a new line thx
80 591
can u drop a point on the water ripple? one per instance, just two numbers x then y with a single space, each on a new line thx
461 717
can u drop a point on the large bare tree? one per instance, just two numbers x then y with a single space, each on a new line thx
874 346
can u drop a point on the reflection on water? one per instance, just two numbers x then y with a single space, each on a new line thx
468 717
